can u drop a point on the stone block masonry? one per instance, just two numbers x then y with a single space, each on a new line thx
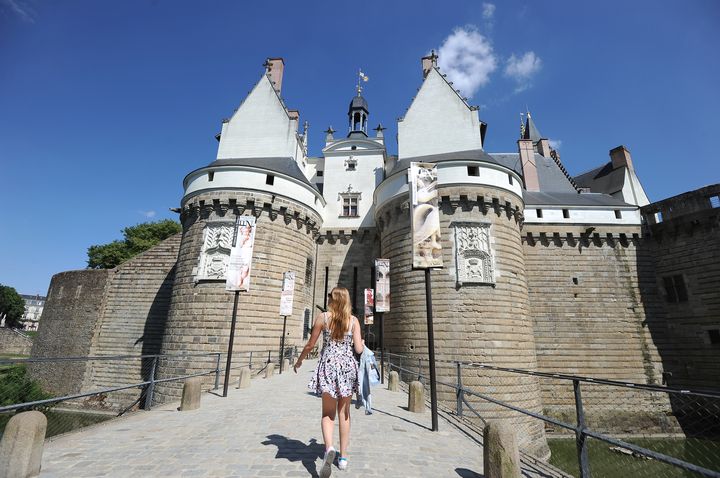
13 342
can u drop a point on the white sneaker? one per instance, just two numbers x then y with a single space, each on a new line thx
327 463
342 463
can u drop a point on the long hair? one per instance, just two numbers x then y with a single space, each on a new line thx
340 312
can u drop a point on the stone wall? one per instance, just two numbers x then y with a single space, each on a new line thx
13 342
200 313
472 322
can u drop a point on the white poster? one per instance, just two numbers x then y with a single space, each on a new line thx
382 285
238 273
369 301
286 296
425 216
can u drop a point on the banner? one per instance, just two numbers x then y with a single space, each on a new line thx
382 285
369 300
286 296
425 216
238 273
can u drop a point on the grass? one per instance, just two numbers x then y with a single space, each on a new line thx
605 463
62 421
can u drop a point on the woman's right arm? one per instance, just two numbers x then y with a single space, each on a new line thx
317 328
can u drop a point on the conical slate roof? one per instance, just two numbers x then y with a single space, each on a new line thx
531 131
358 102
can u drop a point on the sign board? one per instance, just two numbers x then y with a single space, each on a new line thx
425 216
382 285
238 273
369 301
286 296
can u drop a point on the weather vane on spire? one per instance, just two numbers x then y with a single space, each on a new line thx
361 77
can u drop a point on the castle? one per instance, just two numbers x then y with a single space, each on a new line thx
542 270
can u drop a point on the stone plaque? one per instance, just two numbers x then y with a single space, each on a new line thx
215 254
474 259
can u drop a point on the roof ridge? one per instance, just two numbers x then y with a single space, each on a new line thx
554 155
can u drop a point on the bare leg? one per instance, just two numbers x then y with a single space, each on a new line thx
327 422
344 421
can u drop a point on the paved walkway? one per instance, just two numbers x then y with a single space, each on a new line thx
269 429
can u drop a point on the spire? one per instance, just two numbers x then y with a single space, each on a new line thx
531 131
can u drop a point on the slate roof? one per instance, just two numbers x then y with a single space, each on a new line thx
359 102
604 179
286 166
468 155
536 198
551 178
531 131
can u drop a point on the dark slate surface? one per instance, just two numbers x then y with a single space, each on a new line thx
359 102
551 178
286 166
534 198
604 179
531 131
469 155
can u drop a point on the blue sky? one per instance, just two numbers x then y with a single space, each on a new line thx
106 106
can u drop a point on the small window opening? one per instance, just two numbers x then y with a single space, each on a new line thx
538 212
566 213
675 289
211 175
351 167
320 173
473 171
714 336
320 187
658 217
575 280
618 214
715 202
353 147
270 179
510 179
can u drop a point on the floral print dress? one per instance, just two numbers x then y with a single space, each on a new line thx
337 370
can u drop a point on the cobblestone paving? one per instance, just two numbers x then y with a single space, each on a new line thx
270 429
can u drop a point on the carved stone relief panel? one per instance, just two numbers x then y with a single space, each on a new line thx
215 253
474 259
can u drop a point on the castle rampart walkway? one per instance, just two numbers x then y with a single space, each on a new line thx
270 429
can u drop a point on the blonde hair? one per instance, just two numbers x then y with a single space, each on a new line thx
340 312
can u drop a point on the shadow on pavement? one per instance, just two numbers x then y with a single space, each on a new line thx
465 473
295 450
401 418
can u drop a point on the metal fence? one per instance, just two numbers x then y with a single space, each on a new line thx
594 427
74 392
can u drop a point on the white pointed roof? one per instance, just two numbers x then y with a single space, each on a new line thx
438 121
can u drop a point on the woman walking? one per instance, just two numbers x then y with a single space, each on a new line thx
336 373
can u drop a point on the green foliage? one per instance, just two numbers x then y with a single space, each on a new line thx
12 306
138 239
17 387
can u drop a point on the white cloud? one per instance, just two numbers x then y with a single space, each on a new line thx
467 57
522 69
555 143
488 11
19 8
148 214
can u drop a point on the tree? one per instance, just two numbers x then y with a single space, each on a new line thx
138 239
12 306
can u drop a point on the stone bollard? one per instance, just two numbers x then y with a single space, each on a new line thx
501 455
22 445
191 394
286 365
244 381
270 370
416 397
393 381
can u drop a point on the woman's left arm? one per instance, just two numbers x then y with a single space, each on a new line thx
358 342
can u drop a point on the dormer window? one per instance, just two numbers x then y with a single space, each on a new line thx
350 164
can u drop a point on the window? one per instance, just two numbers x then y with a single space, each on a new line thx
675 290
510 179
714 336
320 173
473 171
353 148
618 214
308 271
306 324
566 213
539 213
715 201
270 179
211 175
350 164
350 206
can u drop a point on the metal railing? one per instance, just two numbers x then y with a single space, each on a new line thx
667 416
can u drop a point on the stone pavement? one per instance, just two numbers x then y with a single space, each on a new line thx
270 429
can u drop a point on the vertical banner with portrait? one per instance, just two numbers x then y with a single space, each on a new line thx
425 216
238 273
382 285
286 296
369 301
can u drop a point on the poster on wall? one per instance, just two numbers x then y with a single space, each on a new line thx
369 300
286 296
382 285
238 273
425 216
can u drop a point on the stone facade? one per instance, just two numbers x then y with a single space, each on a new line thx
13 342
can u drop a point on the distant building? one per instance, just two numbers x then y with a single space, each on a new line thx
33 310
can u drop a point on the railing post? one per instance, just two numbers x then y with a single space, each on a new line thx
580 438
217 371
420 370
382 365
151 386
250 364
460 394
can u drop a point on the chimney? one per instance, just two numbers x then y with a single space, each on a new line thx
527 160
620 157
294 114
274 69
543 147
428 63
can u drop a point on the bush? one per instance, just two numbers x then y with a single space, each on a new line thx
17 387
